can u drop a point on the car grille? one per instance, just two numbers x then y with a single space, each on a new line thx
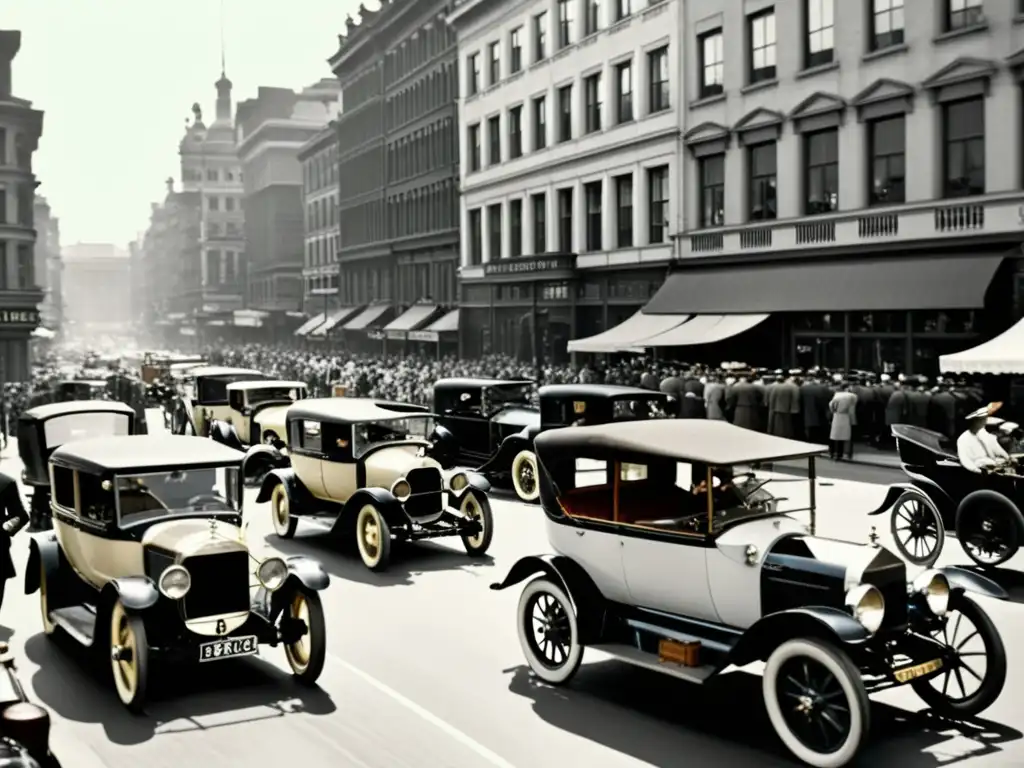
889 575
426 487
220 584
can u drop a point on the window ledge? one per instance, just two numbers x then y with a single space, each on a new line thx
708 100
954 34
818 70
881 53
763 85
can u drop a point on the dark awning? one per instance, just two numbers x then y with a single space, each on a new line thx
890 283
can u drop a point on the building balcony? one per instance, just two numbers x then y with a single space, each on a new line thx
992 215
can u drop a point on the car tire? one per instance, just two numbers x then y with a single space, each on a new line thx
846 710
477 508
525 477
307 656
281 515
373 538
130 677
44 604
915 512
554 605
999 515
269 437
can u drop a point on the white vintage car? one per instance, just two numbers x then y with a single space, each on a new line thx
360 466
148 559
203 397
689 578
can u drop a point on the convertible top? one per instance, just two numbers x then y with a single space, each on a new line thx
145 452
609 391
472 383
266 384
216 370
717 443
352 410
52 410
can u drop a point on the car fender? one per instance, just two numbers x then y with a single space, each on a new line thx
307 572
774 629
225 434
962 580
286 477
501 461
942 500
477 483
892 495
136 593
43 554
587 600
989 497
389 507
266 454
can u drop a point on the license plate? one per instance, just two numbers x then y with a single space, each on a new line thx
907 674
228 648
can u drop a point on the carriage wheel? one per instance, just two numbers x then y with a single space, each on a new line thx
989 533
917 529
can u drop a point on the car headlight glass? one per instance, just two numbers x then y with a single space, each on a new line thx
272 573
175 582
867 606
401 489
934 588
458 481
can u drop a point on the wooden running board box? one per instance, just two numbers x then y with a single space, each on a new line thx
687 654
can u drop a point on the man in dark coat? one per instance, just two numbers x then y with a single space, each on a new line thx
865 429
673 387
714 397
783 408
918 403
814 399
744 403
12 519
692 404
898 407
883 393
942 411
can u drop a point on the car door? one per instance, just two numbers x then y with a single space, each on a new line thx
307 456
338 469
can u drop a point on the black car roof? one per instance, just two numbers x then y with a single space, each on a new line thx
145 452
598 391
52 410
471 383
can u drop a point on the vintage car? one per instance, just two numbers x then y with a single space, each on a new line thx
148 559
43 429
156 366
80 389
671 556
24 726
492 425
983 508
359 467
203 397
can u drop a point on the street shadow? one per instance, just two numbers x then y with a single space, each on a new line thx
77 685
659 718
1008 578
408 559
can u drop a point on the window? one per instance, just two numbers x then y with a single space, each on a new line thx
761 28
592 193
494 63
592 97
213 203
540 122
591 17
229 203
657 74
3 146
474 147
64 487
566 18
515 49
623 9
211 174
886 24
309 439
473 74
565 113
821 153
540 37
712 64
624 92
565 220
820 27
515 132
494 232
761 165
476 238
712 191
657 204
515 228
539 203
961 14
493 140
887 147
624 211
963 126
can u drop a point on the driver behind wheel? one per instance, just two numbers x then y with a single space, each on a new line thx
979 450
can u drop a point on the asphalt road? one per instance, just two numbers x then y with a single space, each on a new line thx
424 671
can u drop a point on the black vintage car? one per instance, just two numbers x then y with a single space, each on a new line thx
492 423
24 726
80 389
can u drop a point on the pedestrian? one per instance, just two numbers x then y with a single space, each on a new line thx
844 414
14 518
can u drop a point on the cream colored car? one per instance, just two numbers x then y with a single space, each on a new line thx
360 466
256 413
203 397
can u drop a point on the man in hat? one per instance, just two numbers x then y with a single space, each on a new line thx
977 448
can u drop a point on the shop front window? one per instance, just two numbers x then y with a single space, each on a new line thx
590 291
878 322
940 322
880 355
829 322
814 352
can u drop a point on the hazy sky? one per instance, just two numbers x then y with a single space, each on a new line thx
117 78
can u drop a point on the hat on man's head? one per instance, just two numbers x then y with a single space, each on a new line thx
984 413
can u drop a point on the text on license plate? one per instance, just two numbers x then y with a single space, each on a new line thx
920 670
228 648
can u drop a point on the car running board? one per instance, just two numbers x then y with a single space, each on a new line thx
638 658
79 621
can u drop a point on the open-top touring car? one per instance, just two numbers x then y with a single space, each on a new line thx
688 578
203 398
359 468
148 559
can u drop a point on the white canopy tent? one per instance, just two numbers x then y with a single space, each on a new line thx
625 336
1003 354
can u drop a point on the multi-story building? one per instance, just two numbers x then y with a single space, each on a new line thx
47 263
569 122
20 129
97 282
398 171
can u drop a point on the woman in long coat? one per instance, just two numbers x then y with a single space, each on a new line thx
12 519
843 411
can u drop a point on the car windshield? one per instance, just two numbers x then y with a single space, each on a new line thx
270 394
390 431
82 426
501 397
155 495
634 410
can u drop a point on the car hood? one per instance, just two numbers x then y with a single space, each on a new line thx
518 417
188 538
273 417
385 465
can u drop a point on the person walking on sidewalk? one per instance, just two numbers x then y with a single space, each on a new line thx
12 519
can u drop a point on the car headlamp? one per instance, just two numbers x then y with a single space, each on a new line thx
401 489
272 573
933 587
175 582
458 481
867 606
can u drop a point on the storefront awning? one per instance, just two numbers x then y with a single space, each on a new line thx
410 320
249 318
704 329
865 284
623 337
447 323
1003 354
333 318
367 317
310 325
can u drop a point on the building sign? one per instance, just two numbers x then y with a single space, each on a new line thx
531 264
375 335
396 335
19 318
422 335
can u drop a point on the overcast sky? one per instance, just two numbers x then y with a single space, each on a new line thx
117 78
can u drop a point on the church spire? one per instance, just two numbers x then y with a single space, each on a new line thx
223 85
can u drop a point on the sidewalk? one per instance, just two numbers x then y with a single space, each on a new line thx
875 457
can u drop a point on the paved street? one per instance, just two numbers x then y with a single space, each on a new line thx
424 670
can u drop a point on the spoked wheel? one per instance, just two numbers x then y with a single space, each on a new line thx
373 537
988 532
974 665
816 702
917 529
129 657
548 632
280 512
479 509
525 476
306 655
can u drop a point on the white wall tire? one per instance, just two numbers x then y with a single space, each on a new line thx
837 699
525 476
131 677
479 509
545 605
373 537
280 512
307 655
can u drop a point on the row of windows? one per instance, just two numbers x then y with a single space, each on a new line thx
362 173
358 286
591 102
24 267
317 283
22 196
321 214
361 90
226 203
429 149
416 50
215 175
321 251
226 229
362 224
221 268
422 211
320 171
364 285
429 92
357 128
657 191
